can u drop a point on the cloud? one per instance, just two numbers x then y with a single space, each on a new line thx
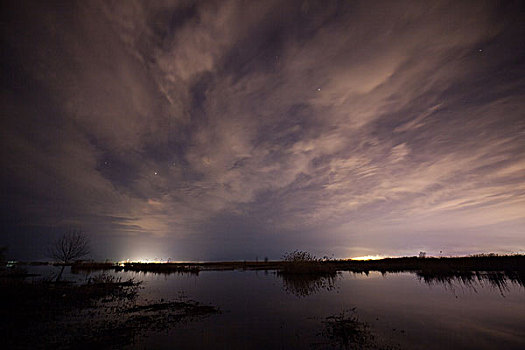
167 119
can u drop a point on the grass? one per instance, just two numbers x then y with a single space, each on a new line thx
304 274
300 262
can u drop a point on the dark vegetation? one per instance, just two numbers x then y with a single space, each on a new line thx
168 267
303 273
103 312
29 308
346 331
71 246
489 262
501 280
302 262
160 268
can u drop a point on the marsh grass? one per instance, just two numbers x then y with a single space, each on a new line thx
304 274
301 262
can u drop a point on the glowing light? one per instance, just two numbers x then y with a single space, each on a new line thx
141 261
370 257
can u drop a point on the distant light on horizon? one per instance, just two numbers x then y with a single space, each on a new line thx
141 261
151 261
371 257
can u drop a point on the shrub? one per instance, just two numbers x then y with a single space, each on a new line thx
300 261
299 256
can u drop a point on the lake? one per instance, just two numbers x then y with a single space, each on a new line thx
263 310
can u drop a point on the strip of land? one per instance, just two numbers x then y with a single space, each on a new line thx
471 263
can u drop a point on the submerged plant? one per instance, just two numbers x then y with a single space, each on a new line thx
346 331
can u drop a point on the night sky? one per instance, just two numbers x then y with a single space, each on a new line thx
240 129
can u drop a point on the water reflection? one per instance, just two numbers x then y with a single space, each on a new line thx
304 284
279 310
164 269
501 280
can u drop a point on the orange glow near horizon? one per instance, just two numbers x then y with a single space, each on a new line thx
370 257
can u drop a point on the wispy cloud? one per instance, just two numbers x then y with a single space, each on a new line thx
296 122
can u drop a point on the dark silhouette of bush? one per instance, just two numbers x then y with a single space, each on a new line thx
304 274
71 246
346 331
298 262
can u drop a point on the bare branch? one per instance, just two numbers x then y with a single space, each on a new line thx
71 246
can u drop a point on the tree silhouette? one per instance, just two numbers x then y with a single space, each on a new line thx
71 246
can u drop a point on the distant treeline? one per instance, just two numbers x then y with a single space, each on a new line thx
470 263
414 264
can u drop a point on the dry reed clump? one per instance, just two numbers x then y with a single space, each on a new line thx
301 262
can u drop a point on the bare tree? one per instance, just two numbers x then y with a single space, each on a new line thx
71 246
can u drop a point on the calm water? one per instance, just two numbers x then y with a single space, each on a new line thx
262 311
